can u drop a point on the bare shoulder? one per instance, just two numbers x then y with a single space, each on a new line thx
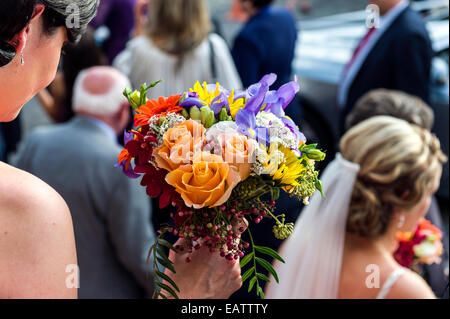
411 286
36 238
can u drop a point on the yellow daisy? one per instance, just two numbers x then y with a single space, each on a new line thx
204 94
290 170
235 106
209 96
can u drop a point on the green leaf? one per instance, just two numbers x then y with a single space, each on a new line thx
150 253
247 274
153 84
246 259
168 289
251 284
269 251
165 243
162 254
260 292
319 187
310 146
167 278
166 264
268 267
143 94
263 277
148 260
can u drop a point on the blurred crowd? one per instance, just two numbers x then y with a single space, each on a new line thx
131 42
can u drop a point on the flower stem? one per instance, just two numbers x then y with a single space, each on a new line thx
270 213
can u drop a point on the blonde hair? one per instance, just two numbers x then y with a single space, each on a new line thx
399 167
178 26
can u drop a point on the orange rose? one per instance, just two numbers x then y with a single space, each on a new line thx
237 150
180 143
208 182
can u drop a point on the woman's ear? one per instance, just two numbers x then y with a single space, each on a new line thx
20 40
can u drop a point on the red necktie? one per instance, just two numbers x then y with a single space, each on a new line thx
359 48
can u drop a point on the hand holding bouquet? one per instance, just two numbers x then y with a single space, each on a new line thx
212 154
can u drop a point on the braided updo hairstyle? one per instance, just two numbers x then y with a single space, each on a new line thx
400 164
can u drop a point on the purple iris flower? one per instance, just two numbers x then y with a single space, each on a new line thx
192 101
275 108
256 93
219 102
246 122
128 172
127 136
294 128
212 88
276 102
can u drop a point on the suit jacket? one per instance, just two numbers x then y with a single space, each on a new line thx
111 213
266 44
400 60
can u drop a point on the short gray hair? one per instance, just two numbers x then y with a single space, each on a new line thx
107 103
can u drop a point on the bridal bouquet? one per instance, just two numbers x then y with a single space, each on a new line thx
212 154
424 246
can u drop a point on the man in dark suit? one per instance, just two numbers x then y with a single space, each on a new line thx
266 43
395 54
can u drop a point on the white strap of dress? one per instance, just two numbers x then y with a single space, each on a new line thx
390 282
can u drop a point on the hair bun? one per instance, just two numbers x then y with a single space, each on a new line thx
7 53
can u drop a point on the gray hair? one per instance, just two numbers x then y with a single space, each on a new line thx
105 103
75 15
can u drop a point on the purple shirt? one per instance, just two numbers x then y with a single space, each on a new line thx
118 16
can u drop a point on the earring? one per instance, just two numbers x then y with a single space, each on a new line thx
21 59
401 222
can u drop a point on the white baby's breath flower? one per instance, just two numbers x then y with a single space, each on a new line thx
171 120
278 132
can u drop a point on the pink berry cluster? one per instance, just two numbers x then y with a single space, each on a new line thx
219 229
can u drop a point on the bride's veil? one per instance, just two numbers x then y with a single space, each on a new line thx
313 253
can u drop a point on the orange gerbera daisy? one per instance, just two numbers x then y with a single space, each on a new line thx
161 107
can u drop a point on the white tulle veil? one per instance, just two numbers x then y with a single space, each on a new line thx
313 253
